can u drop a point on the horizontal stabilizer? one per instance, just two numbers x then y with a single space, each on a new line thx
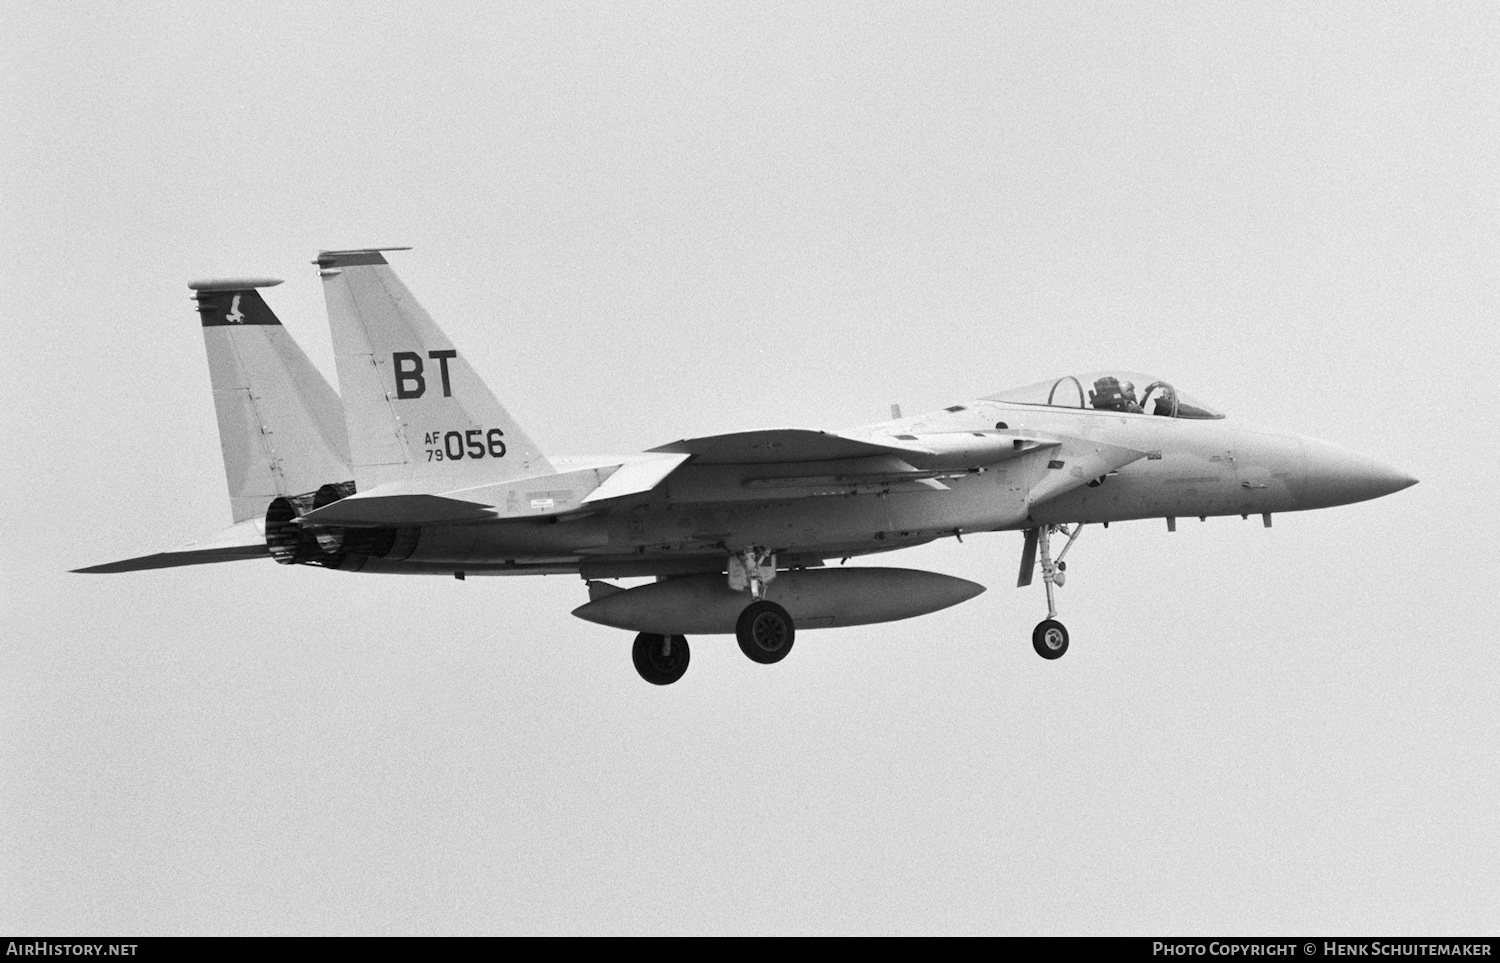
374 510
537 496
207 556
236 543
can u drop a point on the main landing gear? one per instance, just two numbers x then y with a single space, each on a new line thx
660 659
764 629
1050 637
765 632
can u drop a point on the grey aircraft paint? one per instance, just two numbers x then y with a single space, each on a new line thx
434 476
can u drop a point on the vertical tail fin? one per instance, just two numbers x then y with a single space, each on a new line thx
281 426
417 412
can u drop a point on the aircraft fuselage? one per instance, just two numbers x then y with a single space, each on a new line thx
1191 468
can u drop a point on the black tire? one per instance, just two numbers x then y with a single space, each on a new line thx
1050 639
765 632
654 667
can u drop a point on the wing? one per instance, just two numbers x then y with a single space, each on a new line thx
772 446
927 450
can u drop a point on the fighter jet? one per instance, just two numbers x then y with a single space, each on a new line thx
420 470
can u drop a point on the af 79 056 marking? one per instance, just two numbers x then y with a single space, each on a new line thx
471 443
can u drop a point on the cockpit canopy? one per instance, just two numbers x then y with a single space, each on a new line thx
1129 392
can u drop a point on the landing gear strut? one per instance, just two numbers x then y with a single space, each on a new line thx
765 630
660 659
1050 637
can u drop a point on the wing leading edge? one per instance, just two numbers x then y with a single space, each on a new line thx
926 450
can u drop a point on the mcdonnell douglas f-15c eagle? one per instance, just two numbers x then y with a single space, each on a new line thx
420 470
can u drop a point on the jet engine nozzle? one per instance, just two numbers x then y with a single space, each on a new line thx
288 542
292 544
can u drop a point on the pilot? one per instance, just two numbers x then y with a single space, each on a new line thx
1112 394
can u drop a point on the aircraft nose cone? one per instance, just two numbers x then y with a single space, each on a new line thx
1337 476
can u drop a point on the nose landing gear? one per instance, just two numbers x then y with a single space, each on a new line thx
1050 637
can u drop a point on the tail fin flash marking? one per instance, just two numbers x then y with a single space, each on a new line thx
224 308
417 412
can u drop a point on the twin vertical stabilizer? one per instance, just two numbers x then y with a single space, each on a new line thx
281 426
418 415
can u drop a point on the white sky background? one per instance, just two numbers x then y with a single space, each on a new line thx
657 221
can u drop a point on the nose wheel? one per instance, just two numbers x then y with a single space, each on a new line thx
1049 638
